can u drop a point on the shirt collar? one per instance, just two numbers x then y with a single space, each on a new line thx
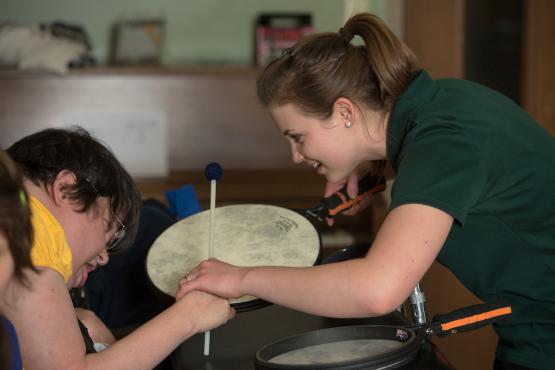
421 89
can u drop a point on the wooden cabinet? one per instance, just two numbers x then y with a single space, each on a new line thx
538 82
210 114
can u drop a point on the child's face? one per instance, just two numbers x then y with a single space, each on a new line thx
87 235
6 263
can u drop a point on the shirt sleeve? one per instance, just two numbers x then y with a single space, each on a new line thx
443 168
51 250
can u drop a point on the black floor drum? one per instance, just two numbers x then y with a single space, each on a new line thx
342 348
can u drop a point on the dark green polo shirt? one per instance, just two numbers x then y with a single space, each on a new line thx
473 153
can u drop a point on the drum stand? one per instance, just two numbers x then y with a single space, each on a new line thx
417 301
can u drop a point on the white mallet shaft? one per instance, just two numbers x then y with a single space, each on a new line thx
210 250
212 214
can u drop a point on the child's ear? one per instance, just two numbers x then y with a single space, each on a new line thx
59 188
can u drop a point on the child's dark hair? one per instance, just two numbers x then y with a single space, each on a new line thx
15 216
43 155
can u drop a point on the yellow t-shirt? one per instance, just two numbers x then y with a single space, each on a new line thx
50 248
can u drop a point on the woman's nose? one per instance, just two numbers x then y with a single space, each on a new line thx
297 156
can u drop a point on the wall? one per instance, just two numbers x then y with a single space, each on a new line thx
198 32
211 32
206 115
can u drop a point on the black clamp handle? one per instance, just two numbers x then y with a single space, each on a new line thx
467 318
340 201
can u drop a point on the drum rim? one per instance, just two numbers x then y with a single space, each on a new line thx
251 305
388 360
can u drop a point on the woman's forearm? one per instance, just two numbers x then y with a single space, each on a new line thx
333 290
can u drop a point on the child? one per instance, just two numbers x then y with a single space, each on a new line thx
84 206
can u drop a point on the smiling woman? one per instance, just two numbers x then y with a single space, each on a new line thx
468 191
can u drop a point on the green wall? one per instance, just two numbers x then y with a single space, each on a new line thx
199 31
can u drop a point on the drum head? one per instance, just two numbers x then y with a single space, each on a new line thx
244 235
345 348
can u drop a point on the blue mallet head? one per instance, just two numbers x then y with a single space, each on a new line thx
213 171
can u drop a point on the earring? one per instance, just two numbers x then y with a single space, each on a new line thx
348 124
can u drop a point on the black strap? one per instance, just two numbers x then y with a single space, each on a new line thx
89 344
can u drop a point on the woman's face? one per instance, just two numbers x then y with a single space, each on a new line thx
332 148
6 263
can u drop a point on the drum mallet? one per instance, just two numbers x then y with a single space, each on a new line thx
213 172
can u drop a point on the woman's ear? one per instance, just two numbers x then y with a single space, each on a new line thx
344 109
63 179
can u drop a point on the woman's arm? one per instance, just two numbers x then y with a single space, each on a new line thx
49 335
406 245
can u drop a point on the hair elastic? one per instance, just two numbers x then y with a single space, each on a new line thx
345 35
22 198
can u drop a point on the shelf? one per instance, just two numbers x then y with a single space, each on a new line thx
219 71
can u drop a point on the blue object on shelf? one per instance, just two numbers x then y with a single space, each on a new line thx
183 201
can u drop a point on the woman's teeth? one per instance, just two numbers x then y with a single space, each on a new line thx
316 164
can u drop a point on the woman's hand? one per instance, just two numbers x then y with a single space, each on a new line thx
205 310
352 190
213 276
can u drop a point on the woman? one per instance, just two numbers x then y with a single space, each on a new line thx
84 206
16 235
473 187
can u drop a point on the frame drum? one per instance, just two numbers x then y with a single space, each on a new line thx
244 235
344 348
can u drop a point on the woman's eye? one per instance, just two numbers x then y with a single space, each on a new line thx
296 138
